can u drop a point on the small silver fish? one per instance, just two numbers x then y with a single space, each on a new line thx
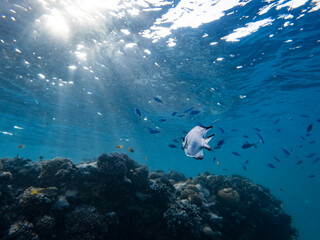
195 141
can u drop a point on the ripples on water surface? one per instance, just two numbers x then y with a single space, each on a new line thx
74 73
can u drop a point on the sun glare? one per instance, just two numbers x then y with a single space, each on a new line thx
56 24
61 17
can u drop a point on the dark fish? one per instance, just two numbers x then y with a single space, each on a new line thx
40 157
175 140
215 121
245 136
163 120
158 99
316 160
309 127
279 130
311 176
277 159
303 138
138 112
313 142
195 112
308 135
153 131
276 121
282 189
257 129
261 139
188 110
271 165
130 149
304 115
221 129
174 113
234 130
214 159
236 154
311 155
244 167
318 120
181 115
248 145
247 161
285 151
299 162
220 143
172 146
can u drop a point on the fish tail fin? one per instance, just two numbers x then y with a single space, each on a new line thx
255 145
206 142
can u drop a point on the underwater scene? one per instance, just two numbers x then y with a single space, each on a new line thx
159 119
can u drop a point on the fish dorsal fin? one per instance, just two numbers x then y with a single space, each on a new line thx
207 128
206 142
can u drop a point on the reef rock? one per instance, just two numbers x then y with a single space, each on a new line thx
44 227
116 198
22 230
229 196
37 201
85 222
55 172
183 221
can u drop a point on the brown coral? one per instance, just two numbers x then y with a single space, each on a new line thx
229 196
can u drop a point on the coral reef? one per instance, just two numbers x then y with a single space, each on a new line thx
116 198
229 197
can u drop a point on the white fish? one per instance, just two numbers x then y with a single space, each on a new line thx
195 141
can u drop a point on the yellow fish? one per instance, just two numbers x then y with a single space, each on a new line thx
119 146
21 146
37 191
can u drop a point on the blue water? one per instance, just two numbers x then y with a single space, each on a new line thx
73 73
